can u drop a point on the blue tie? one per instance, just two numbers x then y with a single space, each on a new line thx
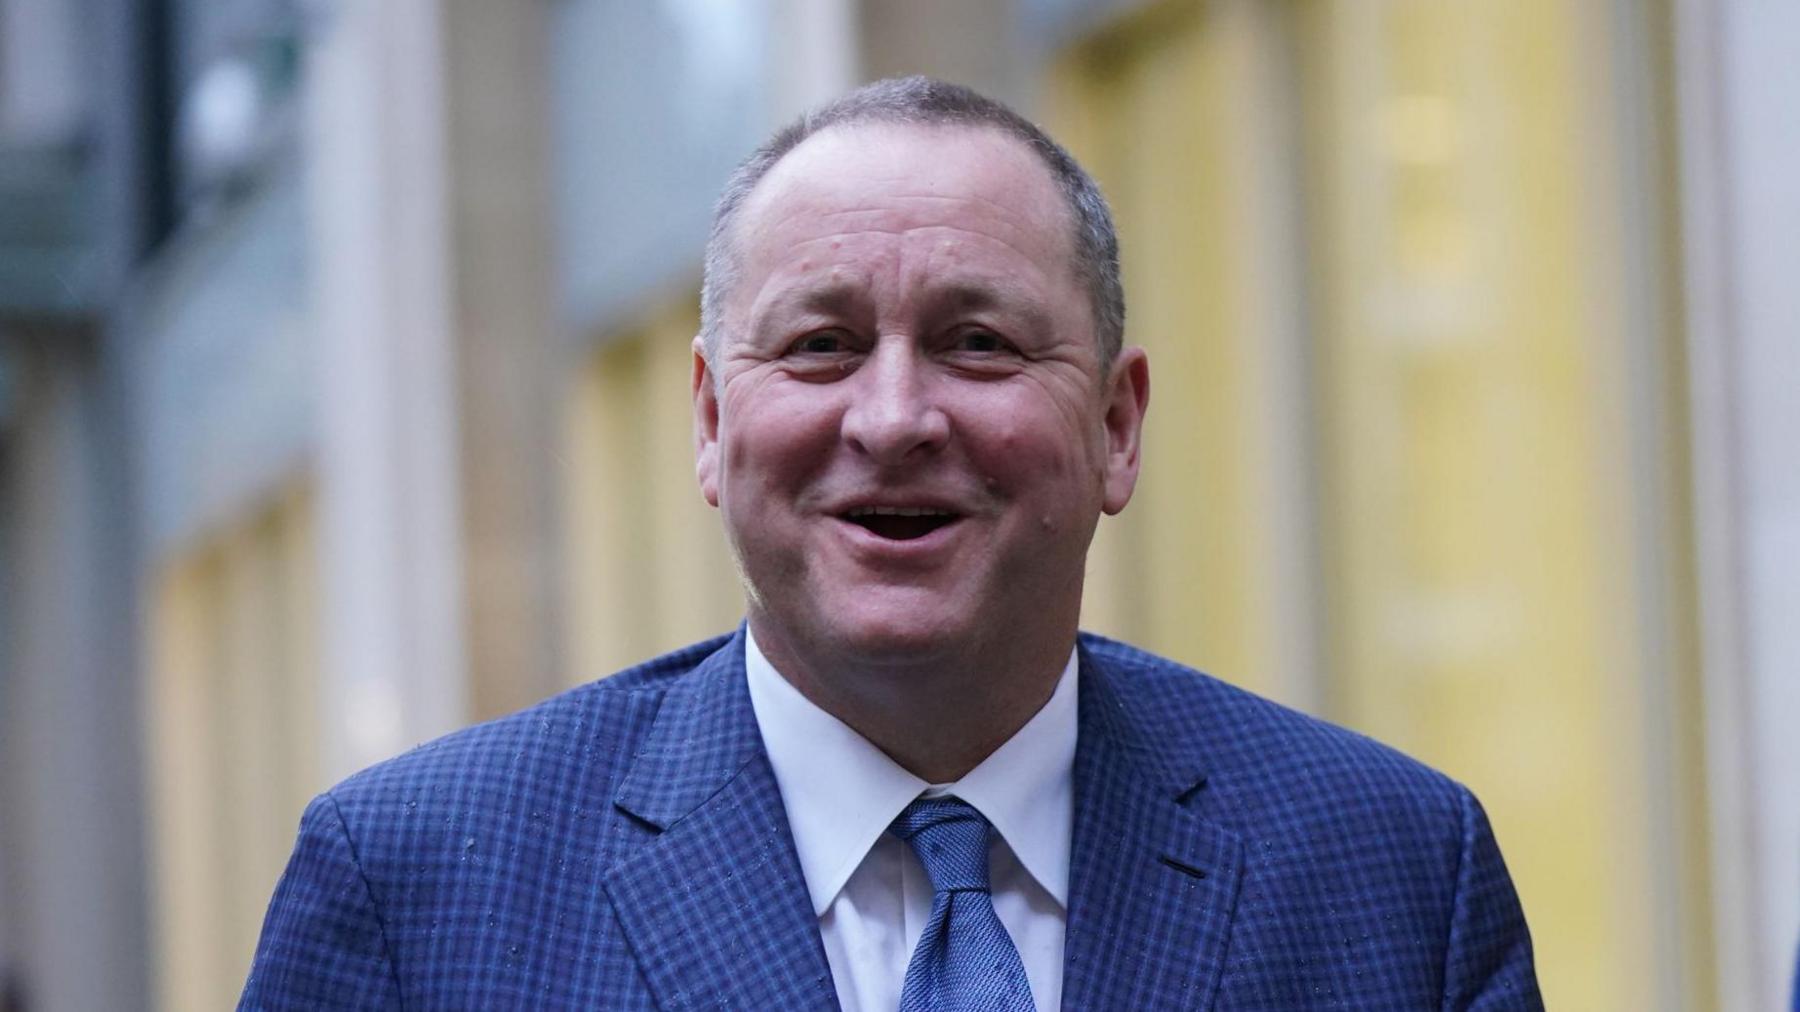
965 959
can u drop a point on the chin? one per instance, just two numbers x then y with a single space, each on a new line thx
896 637
897 642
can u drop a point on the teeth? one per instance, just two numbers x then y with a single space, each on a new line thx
898 511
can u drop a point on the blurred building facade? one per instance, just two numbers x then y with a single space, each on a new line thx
343 401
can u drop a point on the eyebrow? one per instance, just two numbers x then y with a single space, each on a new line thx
837 298
969 298
845 298
964 297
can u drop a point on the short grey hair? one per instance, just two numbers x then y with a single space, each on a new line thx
923 101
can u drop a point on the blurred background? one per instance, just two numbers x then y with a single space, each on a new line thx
343 402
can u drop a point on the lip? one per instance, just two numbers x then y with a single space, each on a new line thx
938 503
867 543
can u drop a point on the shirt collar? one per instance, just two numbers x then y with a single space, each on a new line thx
841 792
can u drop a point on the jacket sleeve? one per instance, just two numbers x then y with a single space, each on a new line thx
1487 962
322 945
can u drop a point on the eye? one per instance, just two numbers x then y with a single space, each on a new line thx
982 341
822 342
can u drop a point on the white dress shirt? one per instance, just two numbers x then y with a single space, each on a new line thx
870 893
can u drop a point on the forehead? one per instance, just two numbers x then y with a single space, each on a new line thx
891 178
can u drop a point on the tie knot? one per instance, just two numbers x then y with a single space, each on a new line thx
951 840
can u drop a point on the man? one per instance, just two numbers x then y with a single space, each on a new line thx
906 782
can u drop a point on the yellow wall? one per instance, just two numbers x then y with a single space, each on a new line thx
1481 577
648 567
232 741
1480 599
1161 114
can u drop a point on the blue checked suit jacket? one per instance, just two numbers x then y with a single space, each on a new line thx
624 846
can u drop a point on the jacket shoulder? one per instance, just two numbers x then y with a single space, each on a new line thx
1366 872
596 722
1269 756
471 867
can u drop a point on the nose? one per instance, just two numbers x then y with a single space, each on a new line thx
893 414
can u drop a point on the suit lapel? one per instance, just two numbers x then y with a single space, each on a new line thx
1153 886
714 907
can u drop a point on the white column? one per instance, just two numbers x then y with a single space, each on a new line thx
497 146
1738 89
72 805
394 653
813 54
433 267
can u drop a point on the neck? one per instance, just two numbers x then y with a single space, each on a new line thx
937 716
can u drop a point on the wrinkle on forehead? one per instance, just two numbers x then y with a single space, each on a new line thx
892 201
943 276
959 234
979 210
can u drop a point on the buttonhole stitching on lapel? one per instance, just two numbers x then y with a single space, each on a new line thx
1182 866
1185 796
635 817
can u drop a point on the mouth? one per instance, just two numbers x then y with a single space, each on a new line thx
900 523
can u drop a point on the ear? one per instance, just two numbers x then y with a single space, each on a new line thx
706 426
1127 397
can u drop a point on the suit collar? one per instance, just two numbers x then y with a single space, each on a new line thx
1154 885
704 735
714 906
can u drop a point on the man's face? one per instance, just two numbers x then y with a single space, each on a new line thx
909 439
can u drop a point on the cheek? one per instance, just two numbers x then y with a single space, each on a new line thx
775 441
1045 454
1030 451
1028 447
1041 480
734 453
